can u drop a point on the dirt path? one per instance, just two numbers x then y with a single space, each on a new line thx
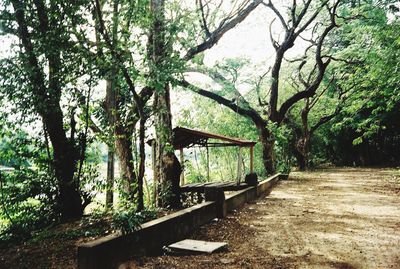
336 218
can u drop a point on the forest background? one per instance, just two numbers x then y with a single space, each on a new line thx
85 85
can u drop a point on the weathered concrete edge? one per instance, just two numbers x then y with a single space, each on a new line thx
108 251
241 197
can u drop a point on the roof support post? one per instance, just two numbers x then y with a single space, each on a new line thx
208 163
182 161
239 166
251 159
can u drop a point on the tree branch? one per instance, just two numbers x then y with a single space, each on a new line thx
311 89
277 13
274 43
203 19
36 75
103 31
216 35
247 112
311 19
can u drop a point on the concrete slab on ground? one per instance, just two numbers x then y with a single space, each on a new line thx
197 246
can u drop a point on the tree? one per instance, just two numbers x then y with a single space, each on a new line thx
330 98
120 118
160 64
364 132
113 116
165 157
300 19
46 58
166 161
125 65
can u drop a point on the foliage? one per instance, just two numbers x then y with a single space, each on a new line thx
206 115
283 152
29 192
129 220
28 200
365 129
49 110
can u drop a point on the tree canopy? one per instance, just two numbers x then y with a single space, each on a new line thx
84 81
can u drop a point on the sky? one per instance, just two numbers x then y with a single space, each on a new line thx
249 39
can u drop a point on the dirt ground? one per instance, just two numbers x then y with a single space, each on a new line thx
332 218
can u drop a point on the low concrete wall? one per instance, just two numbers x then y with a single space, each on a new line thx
109 251
239 198
265 187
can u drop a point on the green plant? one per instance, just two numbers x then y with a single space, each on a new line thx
27 203
283 155
128 221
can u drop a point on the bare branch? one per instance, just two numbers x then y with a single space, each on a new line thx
310 74
347 61
310 90
329 117
318 96
258 86
302 58
247 112
313 31
274 43
293 12
300 75
216 35
277 13
203 18
296 21
311 19
223 81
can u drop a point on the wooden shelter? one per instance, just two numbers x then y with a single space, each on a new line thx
187 138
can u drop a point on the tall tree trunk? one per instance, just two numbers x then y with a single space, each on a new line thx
124 129
123 144
64 163
47 105
110 178
267 141
166 161
301 153
111 110
303 143
274 88
142 159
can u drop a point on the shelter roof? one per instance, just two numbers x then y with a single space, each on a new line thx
185 138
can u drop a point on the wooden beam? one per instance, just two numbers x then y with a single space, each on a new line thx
239 166
208 164
251 159
182 160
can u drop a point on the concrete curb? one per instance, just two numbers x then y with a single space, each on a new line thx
107 252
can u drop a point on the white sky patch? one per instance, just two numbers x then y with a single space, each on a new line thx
248 40
6 42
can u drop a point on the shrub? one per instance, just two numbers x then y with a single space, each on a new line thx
128 221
